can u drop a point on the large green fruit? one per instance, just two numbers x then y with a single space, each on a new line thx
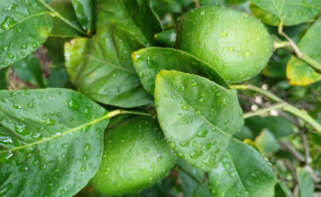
237 45
135 157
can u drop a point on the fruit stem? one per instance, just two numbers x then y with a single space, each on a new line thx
313 63
57 14
281 44
262 111
300 113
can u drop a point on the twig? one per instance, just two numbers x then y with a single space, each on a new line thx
314 64
305 145
262 111
282 44
197 3
291 168
292 151
285 106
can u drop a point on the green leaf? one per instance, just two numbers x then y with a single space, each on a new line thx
197 116
84 13
306 186
242 172
266 142
51 142
149 61
163 7
58 76
166 38
4 78
61 29
212 2
244 133
265 16
299 72
29 70
292 12
191 179
281 190
277 125
133 17
24 23
101 67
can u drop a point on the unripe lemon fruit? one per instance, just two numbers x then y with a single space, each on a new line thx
135 157
237 45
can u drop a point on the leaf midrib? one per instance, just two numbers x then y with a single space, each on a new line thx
67 132
25 19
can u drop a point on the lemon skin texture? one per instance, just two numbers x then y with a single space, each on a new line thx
237 45
135 157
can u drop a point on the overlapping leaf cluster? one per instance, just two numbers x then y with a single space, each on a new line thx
111 52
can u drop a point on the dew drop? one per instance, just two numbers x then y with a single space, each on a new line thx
7 23
87 147
184 107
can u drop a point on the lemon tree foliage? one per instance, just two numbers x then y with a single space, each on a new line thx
51 143
298 72
291 12
25 23
141 98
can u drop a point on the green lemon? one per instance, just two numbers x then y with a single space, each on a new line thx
135 157
237 45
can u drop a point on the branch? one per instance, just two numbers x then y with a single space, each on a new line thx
314 64
262 111
284 145
285 106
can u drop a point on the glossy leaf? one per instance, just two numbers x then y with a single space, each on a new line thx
277 125
191 180
298 72
101 67
306 187
51 142
281 190
166 38
24 26
292 12
84 13
242 172
265 16
266 142
244 133
149 61
163 7
61 29
212 2
197 116
29 70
